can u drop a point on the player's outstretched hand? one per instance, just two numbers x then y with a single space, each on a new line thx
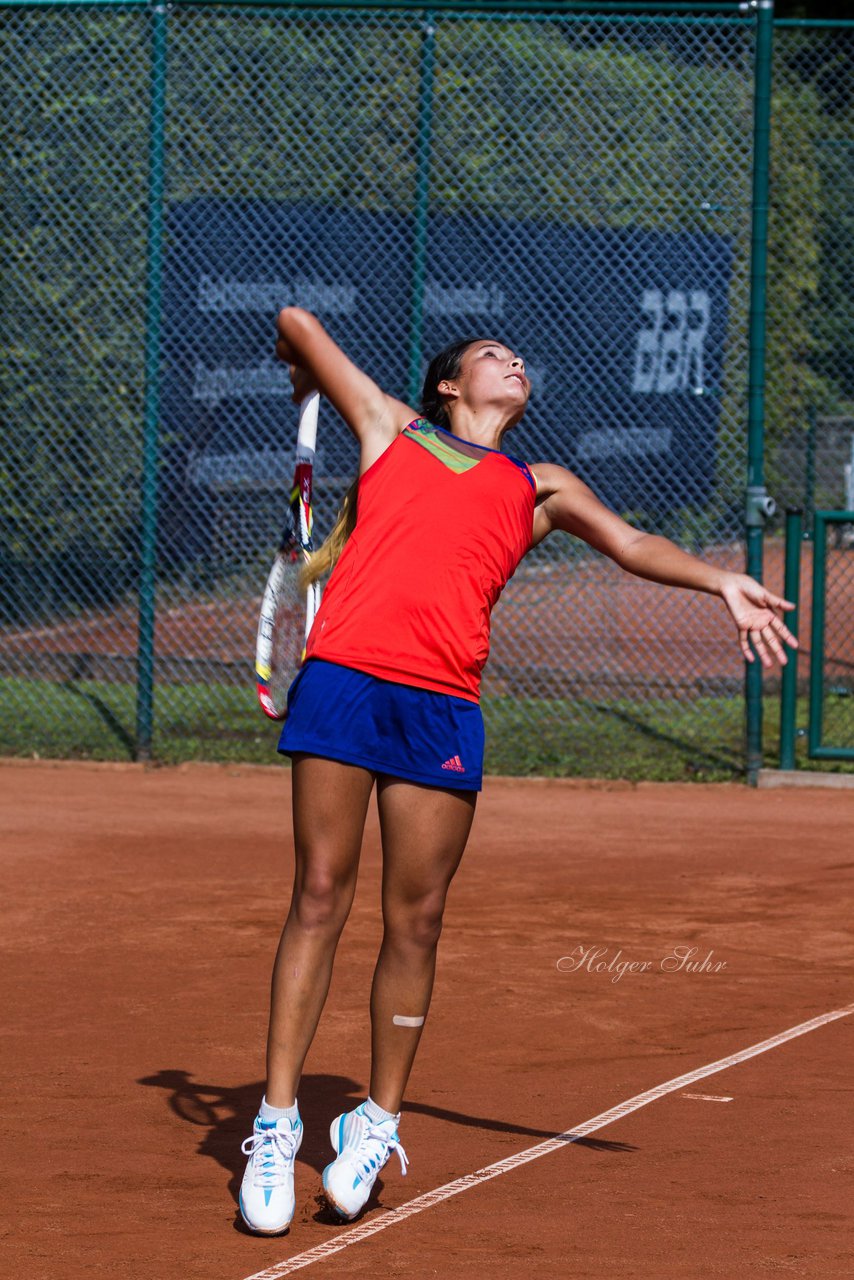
756 612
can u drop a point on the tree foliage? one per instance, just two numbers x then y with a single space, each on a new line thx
526 122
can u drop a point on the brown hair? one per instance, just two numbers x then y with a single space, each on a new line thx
323 560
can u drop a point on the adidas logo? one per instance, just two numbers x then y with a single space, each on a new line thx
455 763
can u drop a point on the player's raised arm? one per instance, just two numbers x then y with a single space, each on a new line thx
317 362
566 503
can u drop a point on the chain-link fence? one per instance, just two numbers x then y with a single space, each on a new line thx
810 407
576 184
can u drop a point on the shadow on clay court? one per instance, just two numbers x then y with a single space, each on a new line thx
225 1114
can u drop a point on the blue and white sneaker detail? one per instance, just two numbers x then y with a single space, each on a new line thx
267 1191
363 1147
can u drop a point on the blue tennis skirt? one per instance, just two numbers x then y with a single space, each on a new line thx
347 715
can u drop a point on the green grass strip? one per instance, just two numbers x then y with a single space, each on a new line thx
658 740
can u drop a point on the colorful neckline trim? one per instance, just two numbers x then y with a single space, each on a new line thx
420 423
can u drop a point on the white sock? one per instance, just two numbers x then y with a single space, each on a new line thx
270 1114
376 1113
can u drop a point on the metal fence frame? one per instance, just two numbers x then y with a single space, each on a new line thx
816 747
758 506
807 527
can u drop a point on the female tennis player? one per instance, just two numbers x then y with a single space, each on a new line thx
388 695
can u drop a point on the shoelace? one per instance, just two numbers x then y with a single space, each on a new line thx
365 1162
270 1167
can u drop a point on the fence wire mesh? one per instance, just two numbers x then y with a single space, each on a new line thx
575 185
837 665
810 418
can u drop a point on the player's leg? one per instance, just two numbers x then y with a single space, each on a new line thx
424 833
330 802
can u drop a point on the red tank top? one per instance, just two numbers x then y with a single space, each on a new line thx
441 526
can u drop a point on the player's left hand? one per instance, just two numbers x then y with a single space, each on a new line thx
756 612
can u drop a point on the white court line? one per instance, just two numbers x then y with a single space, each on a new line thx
392 1216
707 1097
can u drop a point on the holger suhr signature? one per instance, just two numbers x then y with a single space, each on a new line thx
679 959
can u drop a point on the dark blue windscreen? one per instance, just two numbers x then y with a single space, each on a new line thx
622 329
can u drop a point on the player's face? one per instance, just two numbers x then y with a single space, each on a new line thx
491 373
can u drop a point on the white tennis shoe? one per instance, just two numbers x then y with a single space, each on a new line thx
267 1191
363 1147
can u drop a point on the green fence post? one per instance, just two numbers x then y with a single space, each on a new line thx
789 685
809 497
422 202
757 504
819 576
148 550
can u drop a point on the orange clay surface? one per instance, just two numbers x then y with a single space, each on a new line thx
141 911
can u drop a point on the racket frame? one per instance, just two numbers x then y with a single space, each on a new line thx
296 545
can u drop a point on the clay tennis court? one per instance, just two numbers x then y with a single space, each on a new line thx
141 913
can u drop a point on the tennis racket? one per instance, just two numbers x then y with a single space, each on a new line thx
287 611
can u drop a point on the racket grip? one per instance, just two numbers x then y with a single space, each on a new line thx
307 432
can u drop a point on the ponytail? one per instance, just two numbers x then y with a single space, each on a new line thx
323 560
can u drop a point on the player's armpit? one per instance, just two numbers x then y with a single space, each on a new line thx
569 505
